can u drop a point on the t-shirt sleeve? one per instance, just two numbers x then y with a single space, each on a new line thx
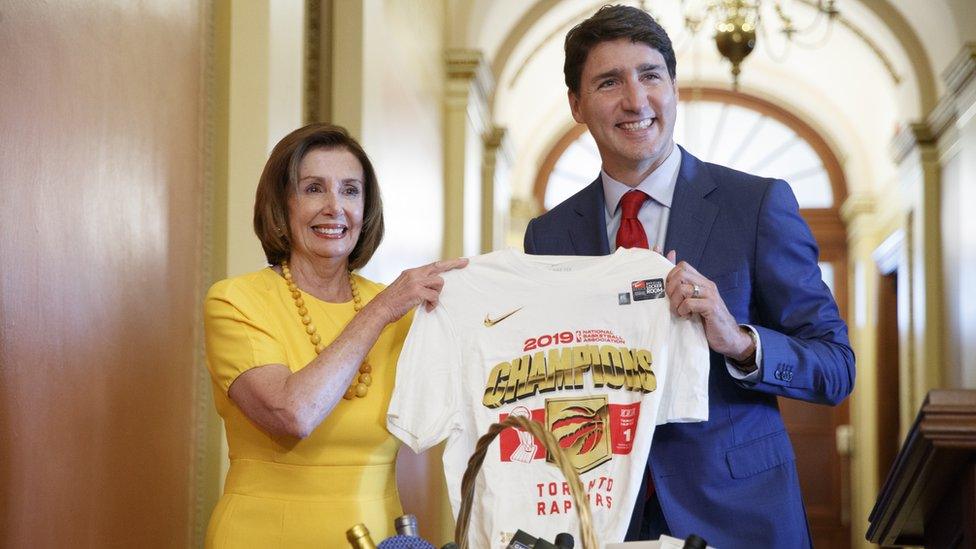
685 398
239 335
424 407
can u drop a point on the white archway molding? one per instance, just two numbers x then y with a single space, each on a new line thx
507 39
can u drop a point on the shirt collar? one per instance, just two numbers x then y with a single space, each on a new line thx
659 184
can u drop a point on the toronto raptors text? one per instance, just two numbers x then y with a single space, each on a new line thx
554 498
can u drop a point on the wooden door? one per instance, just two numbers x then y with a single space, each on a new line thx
101 197
888 405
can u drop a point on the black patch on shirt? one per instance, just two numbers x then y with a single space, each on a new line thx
652 288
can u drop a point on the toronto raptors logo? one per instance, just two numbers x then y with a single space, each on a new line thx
581 427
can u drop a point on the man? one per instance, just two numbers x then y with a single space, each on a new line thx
747 266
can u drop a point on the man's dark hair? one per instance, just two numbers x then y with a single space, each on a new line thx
613 23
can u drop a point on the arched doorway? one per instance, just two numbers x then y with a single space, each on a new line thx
751 134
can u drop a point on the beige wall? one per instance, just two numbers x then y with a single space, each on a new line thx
952 238
260 73
389 78
101 156
959 240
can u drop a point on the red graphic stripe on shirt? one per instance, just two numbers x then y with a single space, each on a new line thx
517 445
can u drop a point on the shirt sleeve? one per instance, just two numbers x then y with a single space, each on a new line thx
239 335
424 408
685 396
752 377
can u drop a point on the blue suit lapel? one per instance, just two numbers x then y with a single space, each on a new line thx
589 231
691 216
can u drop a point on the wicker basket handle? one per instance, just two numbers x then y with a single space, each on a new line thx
552 446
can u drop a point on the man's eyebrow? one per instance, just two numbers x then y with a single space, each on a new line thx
615 72
649 67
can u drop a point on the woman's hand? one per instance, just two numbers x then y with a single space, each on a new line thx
411 288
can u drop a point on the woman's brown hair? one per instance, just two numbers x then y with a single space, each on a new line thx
280 177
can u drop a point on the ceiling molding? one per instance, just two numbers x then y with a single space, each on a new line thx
911 136
962 69
517 33
960 73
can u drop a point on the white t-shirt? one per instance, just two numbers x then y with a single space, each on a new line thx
587 346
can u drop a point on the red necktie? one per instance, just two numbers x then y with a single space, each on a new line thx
631 233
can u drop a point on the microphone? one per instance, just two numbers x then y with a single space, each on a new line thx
564 541
407 526
359 538
405 542
694 542
408 536
521 540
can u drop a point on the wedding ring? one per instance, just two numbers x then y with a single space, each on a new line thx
695 291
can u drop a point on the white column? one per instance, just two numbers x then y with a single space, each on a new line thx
919 173
858 212
466 92
495 189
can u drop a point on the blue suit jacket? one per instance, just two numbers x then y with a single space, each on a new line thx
732 479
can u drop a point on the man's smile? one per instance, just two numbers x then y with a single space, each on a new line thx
638 125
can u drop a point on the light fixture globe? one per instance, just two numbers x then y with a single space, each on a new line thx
735 42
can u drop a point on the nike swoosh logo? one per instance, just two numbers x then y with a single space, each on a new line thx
489 322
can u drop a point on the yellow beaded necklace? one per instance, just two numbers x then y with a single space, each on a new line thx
360 384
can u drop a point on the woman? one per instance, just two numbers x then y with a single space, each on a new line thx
302 354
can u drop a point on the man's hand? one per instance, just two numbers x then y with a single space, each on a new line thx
690 292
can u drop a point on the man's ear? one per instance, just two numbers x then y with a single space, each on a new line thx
574 106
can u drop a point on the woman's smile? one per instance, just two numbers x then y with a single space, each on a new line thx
330 230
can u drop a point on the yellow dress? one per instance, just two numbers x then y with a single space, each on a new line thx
282 491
